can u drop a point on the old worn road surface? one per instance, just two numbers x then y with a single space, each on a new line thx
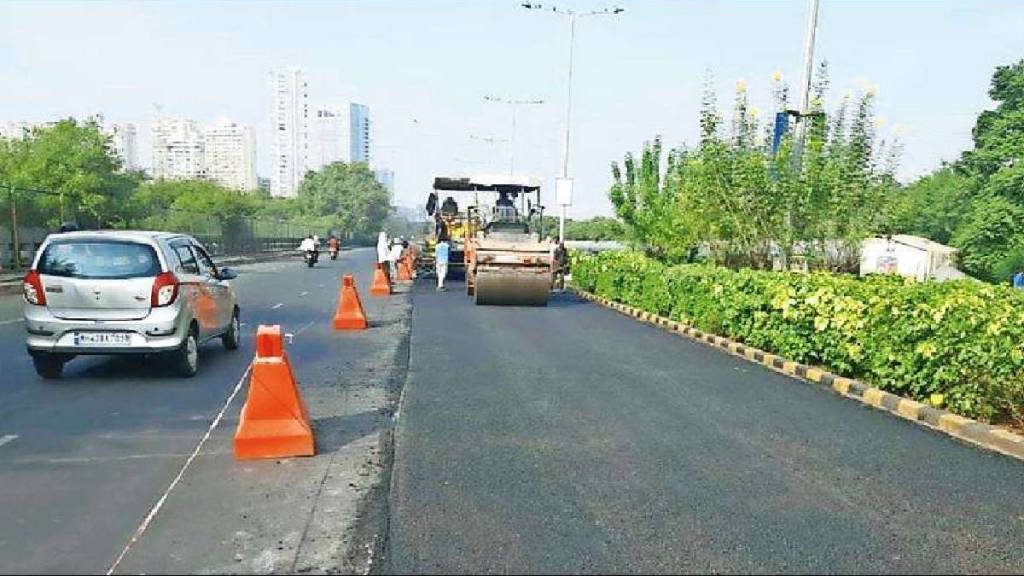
573 439
84 459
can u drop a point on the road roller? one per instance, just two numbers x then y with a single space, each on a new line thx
507 259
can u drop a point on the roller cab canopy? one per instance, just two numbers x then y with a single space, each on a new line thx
488 183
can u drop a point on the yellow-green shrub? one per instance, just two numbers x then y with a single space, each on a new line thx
963 340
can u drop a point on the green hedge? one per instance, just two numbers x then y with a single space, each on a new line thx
956 344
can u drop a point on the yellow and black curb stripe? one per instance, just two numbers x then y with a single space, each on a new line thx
966 429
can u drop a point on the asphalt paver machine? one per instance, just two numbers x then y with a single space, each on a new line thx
500 240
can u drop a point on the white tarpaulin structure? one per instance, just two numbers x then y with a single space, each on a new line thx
911 256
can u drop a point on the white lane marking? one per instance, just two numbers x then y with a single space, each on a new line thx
15 321
181 473
7 439
304 328
303 293
276 306
290 336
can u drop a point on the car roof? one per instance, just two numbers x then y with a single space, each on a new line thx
137 235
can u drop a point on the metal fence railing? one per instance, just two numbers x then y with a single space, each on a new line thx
27 216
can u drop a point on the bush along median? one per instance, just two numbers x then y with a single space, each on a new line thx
955 345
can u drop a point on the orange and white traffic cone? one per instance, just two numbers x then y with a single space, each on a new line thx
274 421
381 286
350 315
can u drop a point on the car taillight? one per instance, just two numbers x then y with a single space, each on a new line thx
32 288
165 290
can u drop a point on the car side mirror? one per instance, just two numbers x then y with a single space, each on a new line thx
226 274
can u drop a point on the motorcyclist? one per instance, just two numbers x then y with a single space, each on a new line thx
333 245
309 246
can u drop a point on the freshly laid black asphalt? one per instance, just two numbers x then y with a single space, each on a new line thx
573 439
85 458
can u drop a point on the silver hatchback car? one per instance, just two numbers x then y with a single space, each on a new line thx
122 292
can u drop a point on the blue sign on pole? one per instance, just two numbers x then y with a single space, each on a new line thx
781 125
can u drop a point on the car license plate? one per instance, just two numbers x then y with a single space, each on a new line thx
102 339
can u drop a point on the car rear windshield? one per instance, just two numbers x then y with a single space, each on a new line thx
99 259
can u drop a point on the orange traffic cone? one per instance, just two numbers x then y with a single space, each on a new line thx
274 422
380 286
404 270
350 315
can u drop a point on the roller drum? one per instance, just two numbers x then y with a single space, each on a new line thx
513 287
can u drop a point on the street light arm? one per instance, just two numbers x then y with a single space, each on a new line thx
569 12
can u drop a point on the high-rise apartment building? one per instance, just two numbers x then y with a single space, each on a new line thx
359 127
329 137
230 156
124 143
290 127
178 150
340 135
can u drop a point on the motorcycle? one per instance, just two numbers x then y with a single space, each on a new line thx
334 253
310 257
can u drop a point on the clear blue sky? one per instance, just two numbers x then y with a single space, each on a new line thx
424 68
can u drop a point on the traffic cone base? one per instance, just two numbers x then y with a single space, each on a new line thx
274 422
380 286
350 315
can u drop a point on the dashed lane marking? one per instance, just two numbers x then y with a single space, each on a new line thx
8 438
15 321
276 306
303 293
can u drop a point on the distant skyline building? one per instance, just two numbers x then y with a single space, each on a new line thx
178 149
125 144
16 130
329 137
230 156
290 127
359 126
386 177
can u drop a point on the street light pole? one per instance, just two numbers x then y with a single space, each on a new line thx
573 15
805 85
568 122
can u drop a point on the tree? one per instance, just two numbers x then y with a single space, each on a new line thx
74 161
598 228
933 205
345 197
976 203
738 201
990 238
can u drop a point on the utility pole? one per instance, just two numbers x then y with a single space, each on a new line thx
805 85
512 140
14 229
565 184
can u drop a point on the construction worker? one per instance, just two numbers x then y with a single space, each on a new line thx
561 261
449 207
383 254
394 255
441 251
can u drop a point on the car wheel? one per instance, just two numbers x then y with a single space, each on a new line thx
48 366
232 337
185 359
